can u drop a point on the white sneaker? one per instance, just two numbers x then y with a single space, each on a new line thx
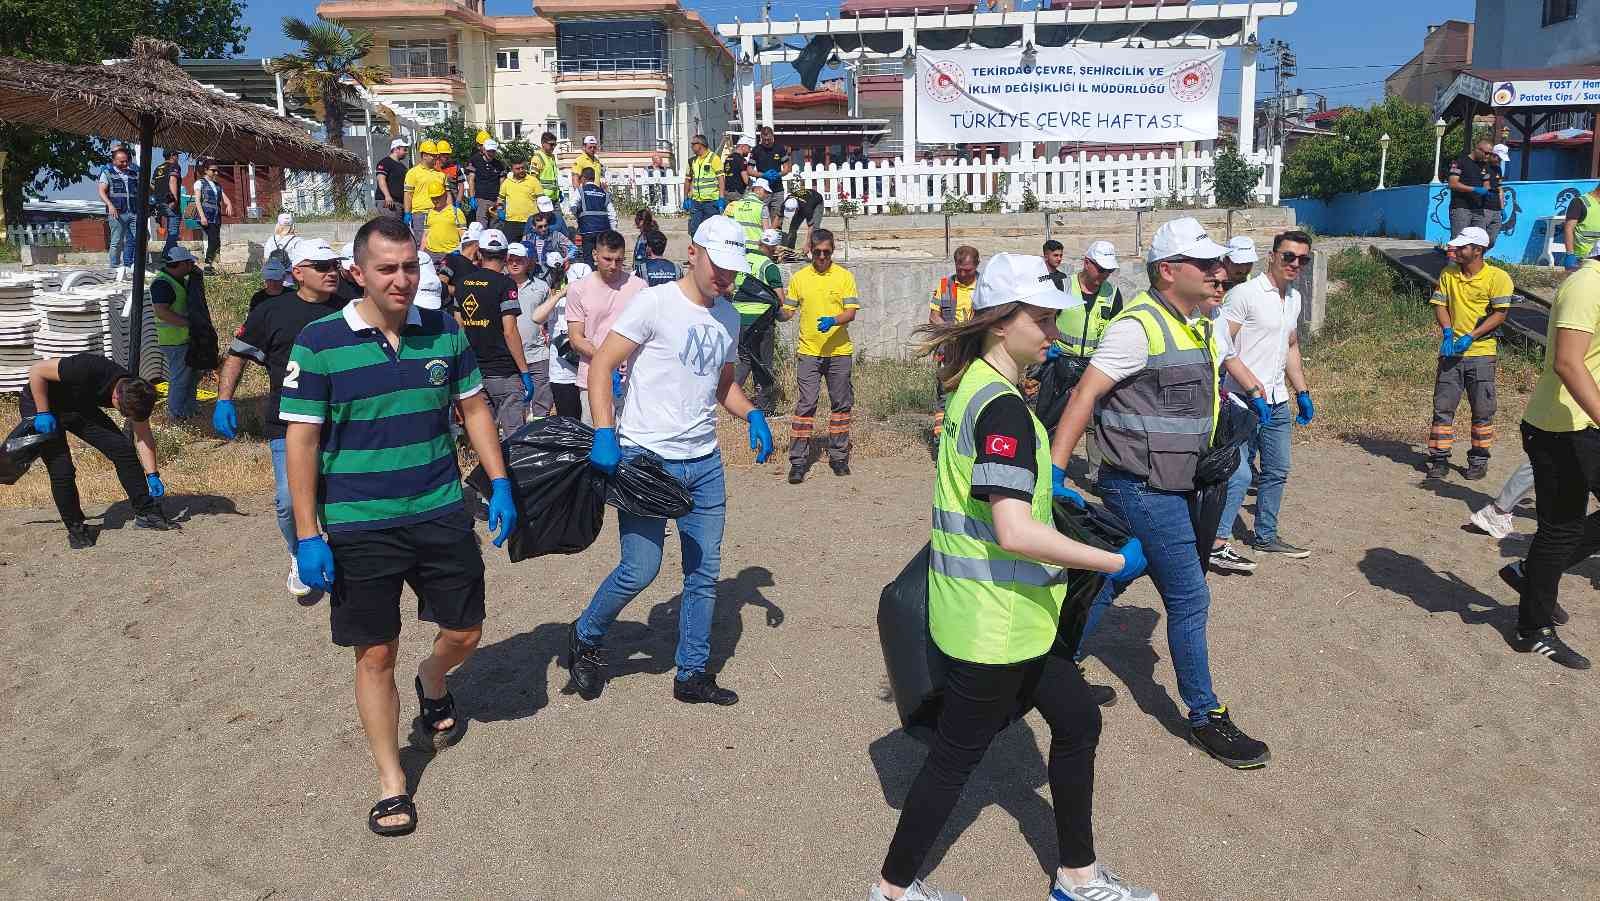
1492 521
916 891
296 587
1106 886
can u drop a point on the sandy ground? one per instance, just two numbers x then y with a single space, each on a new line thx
175 726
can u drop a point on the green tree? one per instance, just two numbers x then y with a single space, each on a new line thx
87 32
1347 159
462 135
1234 178
330 57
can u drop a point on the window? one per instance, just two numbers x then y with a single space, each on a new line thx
508 60
619 45
420 59
548 56
557 127
1559 11
510 129
428 112
628 129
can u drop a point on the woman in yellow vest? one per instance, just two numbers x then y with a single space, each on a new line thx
996 584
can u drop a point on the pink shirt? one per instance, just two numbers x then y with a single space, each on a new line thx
597 305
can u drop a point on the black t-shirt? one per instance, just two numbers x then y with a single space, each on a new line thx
392 171
484 299
1006 450
161 292
346 290
733 173
807 202
161 180
1578 209
1473 174
262 295
86 383
486 175
267 336
768 158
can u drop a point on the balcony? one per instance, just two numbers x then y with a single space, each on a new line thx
595 78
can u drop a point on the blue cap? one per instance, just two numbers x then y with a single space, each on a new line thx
274 270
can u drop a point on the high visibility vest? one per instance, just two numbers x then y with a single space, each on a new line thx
592 216
1082 326
949 310
703 173
1156 423
747 211
1588 229
746 303
549 174
123 185
173 335
986 604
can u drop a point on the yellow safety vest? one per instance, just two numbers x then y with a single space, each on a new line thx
704 170
1082 326
174 335
549 174
747 211
1588 229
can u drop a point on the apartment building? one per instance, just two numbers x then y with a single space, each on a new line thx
641 75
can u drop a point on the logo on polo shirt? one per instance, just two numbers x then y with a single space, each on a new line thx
438 372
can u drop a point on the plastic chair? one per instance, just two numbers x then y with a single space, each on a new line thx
1555 244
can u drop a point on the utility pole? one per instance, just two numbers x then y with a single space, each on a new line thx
1284 70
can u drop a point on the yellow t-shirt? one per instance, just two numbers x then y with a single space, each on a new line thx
963 299
418 178
1471 300
519 197
823 294
444 230
1577 307
585 161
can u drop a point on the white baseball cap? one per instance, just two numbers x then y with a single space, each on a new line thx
1102 254
1470 235
1184 237
399 142
723 239
311 250
544 204
285 218
474 232
1503 152
745 140
1242 250
554 258
579 272
761 183
772 238
790 206
491 145
492 240
588 140
517 249
177 253
1013 277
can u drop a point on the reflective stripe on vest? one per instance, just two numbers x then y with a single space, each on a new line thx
549 175
1587 231
947 299
592 216
747 211
174 335
985 604
123 186
1082 326
1156 423
703 173
749 309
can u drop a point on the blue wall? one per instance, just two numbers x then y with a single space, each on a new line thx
1423 211
1551 163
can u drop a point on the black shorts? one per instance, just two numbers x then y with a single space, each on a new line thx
439 559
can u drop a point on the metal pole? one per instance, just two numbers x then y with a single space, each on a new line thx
141 237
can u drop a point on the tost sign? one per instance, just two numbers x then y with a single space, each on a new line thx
1068 94
1546 92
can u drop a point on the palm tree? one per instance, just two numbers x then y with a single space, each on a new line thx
330 58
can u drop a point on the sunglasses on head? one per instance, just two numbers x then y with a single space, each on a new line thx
1289 256
321 265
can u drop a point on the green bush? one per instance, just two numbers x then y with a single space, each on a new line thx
1235 179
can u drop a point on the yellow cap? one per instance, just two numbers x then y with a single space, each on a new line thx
483 136
436 190
441 146
426 146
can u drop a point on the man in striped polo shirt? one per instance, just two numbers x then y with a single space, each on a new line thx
366 398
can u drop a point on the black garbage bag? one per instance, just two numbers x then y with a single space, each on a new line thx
1235 425
643 487
1056 380
915 665
202 354
560 499
22 447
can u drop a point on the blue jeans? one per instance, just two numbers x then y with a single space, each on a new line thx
700 540
1272 442
1160 520
700 211
174 227
124 227
180 381
281 499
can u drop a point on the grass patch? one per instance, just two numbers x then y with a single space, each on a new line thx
10 253
1543 278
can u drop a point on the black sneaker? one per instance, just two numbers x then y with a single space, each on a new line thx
1220 738
586 663
79 536
1546 642
1227 560
1281 548
157 522
1436 469
1476 470
1512 575
797 474
702 688
1103 695
840 469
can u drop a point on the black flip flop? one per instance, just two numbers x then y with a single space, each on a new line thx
388 807
426 732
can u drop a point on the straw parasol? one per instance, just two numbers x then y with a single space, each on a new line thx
148 99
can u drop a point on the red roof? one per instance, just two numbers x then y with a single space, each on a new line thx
905 7
795 96
1328 115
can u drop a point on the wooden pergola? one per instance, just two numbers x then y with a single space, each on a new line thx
1526 98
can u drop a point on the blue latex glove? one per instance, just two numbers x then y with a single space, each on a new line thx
722 204
153 482
527 387
1263 410
826 322
1447 346
616 383
225 420
760 435
1060 491
406 218
502 511
1302 402
773 177
1053 352
44 423
606 453
1570 261
1462 343
1133 562
1481 191
314 559
688 205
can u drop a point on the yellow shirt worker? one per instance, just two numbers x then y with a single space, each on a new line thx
418 178
588 160
1577 308
1470 303
824 296
518 196
445 223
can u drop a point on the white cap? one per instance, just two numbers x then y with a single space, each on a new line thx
491 145
544 204
177 253
589 140
430 290
311 250
1011 277
554 258
518 249
1242 250
1184 237
399 142
474 232
1102 254
492 240
579 271
745 140
761 183
1503 152
285 218
772 238
790 206
723 239
1470 235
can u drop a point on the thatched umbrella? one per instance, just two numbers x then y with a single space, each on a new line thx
150 100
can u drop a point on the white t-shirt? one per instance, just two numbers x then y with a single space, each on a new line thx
671 399
561 372
530 294
1266 320
1123 350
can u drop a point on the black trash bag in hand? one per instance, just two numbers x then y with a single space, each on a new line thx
22 447
1235 425
643 487
560 499
1056 379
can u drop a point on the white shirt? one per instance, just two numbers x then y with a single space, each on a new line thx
530 294
671 407
561 372
1266 320
1124 350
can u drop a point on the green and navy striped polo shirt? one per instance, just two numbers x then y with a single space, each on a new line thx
387 458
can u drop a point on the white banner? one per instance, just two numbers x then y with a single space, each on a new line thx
1111 96
1549 92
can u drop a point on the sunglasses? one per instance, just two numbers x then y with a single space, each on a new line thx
821 252
1203 263
1289 257
323 266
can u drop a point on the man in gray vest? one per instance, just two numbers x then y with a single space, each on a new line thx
1152 388
119 187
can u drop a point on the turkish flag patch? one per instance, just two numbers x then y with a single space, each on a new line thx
1000 446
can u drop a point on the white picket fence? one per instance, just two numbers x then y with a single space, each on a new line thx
42 234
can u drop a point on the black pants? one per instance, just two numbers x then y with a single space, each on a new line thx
1566 471
980 699
213 232
99 432
567 401
513 231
